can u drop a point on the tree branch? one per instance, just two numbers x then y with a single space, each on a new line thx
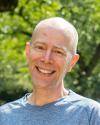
94 60
81 62
19 31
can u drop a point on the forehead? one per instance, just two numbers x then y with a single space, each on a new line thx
53 36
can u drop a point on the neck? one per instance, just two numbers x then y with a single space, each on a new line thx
42 96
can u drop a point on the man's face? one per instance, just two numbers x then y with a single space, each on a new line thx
48 57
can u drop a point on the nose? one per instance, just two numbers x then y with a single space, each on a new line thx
47 57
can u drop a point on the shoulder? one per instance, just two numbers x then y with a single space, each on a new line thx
6 108
12 106
84 101
93 110
12 111
87 105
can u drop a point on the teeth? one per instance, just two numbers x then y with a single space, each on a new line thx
44 71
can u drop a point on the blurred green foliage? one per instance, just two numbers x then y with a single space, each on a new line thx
16 27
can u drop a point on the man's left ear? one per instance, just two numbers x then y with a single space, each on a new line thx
74 60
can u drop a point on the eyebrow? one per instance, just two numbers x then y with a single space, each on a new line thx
37 42
60 48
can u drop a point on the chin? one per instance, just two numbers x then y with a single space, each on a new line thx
43 84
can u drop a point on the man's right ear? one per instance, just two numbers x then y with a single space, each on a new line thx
27 50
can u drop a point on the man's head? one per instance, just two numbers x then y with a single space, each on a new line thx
52 52
60 24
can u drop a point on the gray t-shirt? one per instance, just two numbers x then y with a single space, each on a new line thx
69 110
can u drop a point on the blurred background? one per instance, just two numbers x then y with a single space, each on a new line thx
17 21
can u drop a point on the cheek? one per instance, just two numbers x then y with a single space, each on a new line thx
60 64
34 56
32 61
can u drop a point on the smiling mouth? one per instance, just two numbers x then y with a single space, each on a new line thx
45 71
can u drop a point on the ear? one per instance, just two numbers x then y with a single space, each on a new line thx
74 60
27 50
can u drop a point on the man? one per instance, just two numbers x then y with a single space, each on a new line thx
50 55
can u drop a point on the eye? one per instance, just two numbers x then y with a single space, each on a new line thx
59 52
40 47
